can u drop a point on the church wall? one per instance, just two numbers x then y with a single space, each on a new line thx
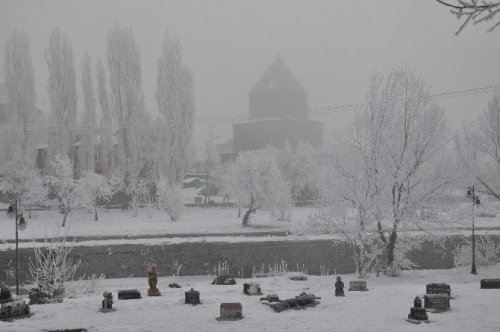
278 104
259 134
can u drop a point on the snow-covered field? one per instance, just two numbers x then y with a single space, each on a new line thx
383 308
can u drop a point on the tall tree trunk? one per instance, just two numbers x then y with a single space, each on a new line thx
246 216
95 215
64 219
390 250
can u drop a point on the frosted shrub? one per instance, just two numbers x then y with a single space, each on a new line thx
87 286
52 266
487 252
170 198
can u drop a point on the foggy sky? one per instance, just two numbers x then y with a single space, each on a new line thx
331 47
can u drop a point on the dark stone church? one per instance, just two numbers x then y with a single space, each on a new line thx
278 113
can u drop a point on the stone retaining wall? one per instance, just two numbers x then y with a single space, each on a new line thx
120 261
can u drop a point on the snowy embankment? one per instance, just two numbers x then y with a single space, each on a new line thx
152 227
383 308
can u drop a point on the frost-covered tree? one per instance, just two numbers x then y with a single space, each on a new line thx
255 182
20 182
62 94
127 100
478 150
350 199
20 82
170 198
473 11
106 122
298 165
88 120
175 97
91 189
63 185
397 151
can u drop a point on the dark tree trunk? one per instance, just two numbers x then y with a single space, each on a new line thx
64 219
246 216
390 249
95 215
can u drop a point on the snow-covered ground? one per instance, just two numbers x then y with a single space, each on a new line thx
153 226
383 308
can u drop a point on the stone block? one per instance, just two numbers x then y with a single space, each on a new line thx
438 288
129 294
437 302
358 285
251 288
231 311
490 283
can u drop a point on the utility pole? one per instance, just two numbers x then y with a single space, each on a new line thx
473 269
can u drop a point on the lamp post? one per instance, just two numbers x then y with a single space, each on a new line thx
20 225
475 201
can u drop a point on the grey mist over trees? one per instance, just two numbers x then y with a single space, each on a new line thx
62 92
19 77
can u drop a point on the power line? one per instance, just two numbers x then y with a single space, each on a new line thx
227 118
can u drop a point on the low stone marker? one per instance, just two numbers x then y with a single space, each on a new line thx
5 294
339 287
224 280
437 302
174 285
231 311
129 294
270 298
438 288
192 297
14 310
251 288
490 283
417 313
107 302
298 277
358 285
301 301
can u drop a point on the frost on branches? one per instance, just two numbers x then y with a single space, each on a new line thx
473 11
387 169
52 266
255 182
175 97
63 185
127 100
170 198
20 182
92 189
478 150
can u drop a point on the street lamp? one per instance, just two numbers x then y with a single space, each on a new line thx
20 225
475 201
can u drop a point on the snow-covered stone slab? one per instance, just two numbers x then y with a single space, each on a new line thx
490 283
438 288
231 311
358 285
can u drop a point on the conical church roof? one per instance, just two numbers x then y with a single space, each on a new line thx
278 77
